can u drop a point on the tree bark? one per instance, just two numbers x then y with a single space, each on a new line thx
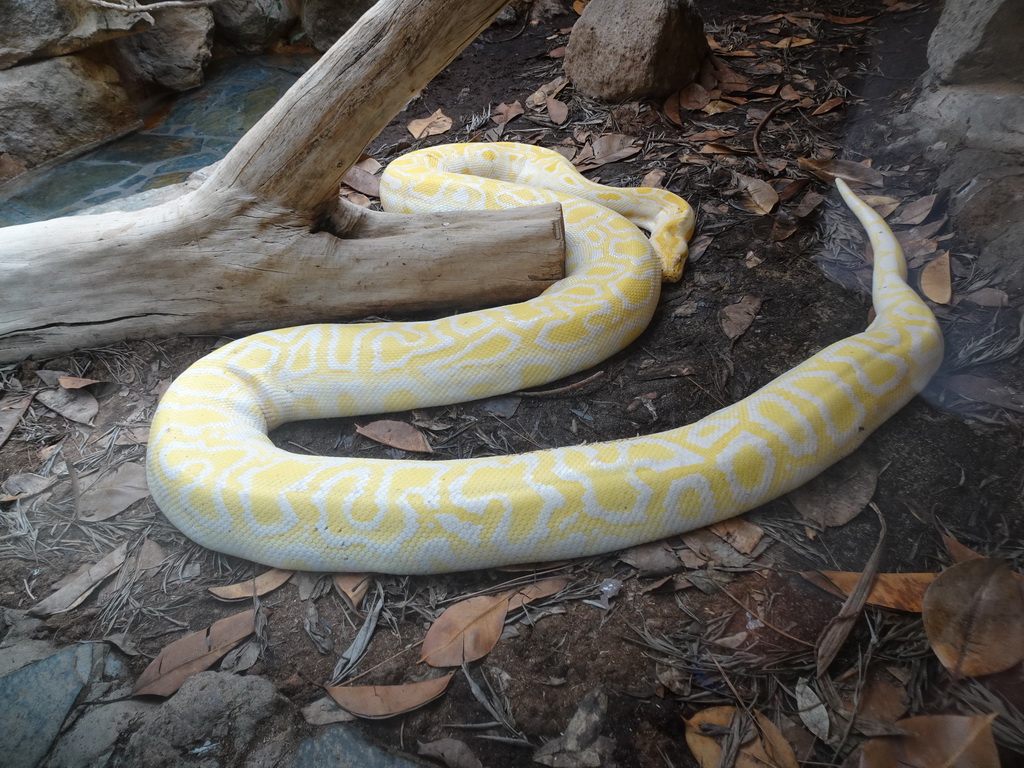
265 241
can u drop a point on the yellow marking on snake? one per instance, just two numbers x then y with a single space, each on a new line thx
218 478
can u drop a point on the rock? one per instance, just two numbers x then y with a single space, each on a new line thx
59 106
327 20
342 746
978 40
988 209
216 717
980 116
36 700
251 26
173 53
38 28
622 50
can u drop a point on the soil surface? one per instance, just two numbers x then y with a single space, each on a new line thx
727 627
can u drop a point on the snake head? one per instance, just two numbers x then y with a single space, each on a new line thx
672 227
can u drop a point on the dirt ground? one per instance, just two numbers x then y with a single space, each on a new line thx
945 464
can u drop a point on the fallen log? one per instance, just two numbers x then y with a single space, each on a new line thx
265 240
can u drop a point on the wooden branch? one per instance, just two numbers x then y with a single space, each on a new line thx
298 152
264 241
239 275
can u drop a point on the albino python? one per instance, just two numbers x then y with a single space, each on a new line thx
217 477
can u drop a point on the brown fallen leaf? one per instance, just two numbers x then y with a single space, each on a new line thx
380 701
505 113
609 148
883 205
916 212
740 533
353 586
838 494
539 98
266 582
983 297
452 752
362 181
694 96
756 195
789 42
807 205
656 558
114 492
76 382
974 618
434 125
397 434
854 174
784 226
192 654
828 106
73 404
899 591
761 744
736 318
673 109
469 629
984 390
936 280
558 111
847 19
11 411
934 741
653 179
71 594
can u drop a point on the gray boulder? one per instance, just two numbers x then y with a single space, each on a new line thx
622 50
38 28
327 20
251 26
61 106
173 53
977 41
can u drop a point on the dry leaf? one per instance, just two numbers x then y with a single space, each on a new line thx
936 280
974 618
838 494
192 654
834 103
854 174
899 591
807 205
656 558
452 752
653 179
694 96
916 212
785 226
266 582
671 108
540 97
882 204
353 586
434 125
983 297
379 701
985 390
469 629
73 404
847 19
790 42
736 318
114 492
362 181
71 594
936 741
740 533
609 148
558 111
788 93
397 434
765 745
11 411
757 195
74 382
505 113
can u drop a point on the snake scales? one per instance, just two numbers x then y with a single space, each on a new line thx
216 475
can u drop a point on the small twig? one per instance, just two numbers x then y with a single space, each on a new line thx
764 621
757 134
134 7
567 388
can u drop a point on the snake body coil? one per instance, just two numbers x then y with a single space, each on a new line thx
217 476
